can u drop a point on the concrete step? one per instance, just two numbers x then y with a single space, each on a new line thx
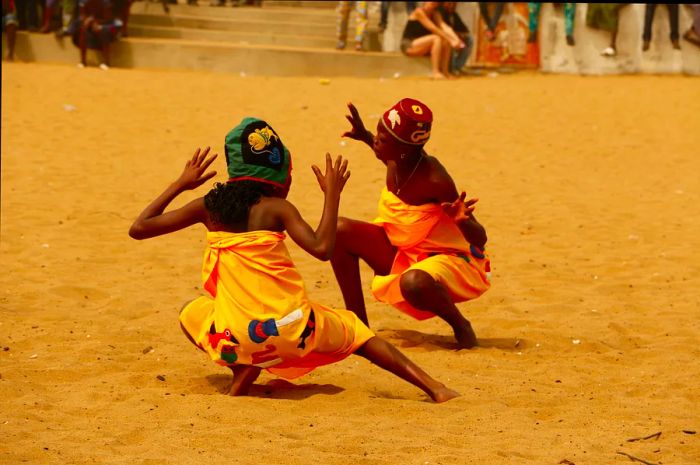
234 37
309 16
250 60
320 4
231 24
315 28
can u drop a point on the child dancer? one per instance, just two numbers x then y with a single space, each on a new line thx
259 315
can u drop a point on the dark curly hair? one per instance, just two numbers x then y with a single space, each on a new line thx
229 203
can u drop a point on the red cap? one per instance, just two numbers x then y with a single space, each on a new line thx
409 121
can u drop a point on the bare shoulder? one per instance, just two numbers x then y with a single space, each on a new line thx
440 180
269 213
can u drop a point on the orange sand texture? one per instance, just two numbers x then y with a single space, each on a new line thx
590 192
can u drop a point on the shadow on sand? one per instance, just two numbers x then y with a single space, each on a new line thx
277 388
406 338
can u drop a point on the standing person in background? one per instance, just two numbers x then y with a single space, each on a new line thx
427 34
384 11
605 16
9 26
672 20
448 10
534 18
490 20
343 11
692 35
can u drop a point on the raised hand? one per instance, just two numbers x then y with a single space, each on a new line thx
358 130
193 175
336 175
459 210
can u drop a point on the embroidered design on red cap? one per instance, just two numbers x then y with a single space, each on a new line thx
409 121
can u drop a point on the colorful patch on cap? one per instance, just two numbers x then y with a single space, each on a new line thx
409 121
254 151
261 146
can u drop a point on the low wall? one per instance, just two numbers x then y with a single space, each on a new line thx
585 57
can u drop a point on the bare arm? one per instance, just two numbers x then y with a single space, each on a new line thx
153 222
453 38
462 212
320 242
358 131
433 24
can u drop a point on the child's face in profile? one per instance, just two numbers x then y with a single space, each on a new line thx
386 146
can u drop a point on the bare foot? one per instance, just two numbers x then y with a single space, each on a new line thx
466 338
243 378
443 394
438 75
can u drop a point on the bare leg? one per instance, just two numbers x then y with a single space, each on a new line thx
11 30
83 45
106 52
182 327
243 378
48 15
388 357
423 292
357 240
430 44
446 54
437 59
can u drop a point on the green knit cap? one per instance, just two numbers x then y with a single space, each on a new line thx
255 152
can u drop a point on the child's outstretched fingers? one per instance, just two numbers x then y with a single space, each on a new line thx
358 129
193 175
321 178
460 210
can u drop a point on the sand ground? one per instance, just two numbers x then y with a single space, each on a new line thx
590 336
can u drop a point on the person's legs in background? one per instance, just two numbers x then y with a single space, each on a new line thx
673 23
9 27
360 23
460 57
569 16
383 15
491 21
342 12
533 9
648 20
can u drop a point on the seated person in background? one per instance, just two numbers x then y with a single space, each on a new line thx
427 34
452 19
98 29
9 25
